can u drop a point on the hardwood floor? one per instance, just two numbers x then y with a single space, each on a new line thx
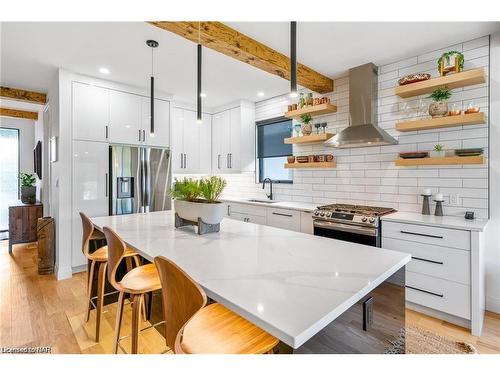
38 310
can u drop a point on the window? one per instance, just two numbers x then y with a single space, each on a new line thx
272 151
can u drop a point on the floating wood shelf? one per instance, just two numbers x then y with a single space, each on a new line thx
451 81
323 164
442 122
313 110
313 138
447 160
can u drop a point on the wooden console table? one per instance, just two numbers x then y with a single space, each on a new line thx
23 222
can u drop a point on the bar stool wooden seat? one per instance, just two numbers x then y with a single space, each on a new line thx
98 259
193 327
137 282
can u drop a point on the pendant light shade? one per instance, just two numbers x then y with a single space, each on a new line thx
153 44
198 90
293 59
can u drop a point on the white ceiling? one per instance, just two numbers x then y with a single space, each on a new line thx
31 52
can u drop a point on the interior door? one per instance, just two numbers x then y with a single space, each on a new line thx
90 112
90 189
177 144
9 172
161 137
191 142
125 118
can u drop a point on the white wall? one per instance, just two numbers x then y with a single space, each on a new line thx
27 140
492 235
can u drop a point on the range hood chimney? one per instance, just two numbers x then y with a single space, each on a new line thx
363 114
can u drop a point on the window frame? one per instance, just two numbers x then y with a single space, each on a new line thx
258 176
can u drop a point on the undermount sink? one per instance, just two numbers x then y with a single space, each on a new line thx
261 201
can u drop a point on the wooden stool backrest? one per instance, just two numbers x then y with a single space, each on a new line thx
116 250
182 298
88 229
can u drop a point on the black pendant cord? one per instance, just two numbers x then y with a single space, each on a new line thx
198 91
293 58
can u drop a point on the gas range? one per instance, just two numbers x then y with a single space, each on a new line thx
348 222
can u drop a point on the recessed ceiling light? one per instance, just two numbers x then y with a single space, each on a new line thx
260 93
203 95
104 70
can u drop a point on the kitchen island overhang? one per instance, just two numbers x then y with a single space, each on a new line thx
291 284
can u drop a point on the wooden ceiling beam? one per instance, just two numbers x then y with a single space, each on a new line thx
224 39
17 113
23 95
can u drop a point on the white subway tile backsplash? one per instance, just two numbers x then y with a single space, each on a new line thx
368 175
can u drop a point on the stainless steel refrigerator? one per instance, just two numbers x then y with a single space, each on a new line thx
140 179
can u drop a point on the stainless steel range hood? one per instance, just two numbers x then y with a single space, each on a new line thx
362 130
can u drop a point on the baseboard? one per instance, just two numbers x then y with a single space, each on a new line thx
78 269
63 273
493 304
439 314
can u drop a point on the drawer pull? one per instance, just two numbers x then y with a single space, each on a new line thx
427 260
421 234
280 214
425 291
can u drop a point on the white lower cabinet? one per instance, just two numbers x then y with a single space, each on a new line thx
306 222
281 218
247 212
90 189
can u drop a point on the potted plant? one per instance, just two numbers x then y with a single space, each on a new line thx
28 188
445 64
306 126
438 151
195 199
439 106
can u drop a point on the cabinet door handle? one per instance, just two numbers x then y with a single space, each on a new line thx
421 234
228 210
139 135
107 131
144 135
280 214
218 161
185 160
427 260
106 184
231 161
182 163
227 161
425 291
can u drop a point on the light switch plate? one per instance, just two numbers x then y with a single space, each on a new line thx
454 198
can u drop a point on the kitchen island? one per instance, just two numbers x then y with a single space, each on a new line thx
310 292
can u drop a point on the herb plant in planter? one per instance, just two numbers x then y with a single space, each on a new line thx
306 127
438 151
195 199
445 64
439 106
28 188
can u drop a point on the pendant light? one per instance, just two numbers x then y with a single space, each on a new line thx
198 90
293 59
153 44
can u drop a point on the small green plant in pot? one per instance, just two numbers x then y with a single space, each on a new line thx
447 65
438 151
28 188
195 199
306 126
439 106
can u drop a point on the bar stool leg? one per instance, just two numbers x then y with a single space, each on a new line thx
101 281
118 323
90 278
136 313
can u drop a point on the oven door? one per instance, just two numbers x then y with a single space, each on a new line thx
347 232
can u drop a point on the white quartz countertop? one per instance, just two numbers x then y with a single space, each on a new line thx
299 206
454 222
290 284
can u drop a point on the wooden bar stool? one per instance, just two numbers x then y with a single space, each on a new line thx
193 327
98 258
137 282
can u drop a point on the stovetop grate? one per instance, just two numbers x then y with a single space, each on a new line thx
357 209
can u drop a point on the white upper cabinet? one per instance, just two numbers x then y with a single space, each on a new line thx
233 148
90 112
125 118
161 137
191 142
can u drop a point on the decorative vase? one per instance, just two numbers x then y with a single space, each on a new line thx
209 213
438 109
306 129
297 127
28 194
290 159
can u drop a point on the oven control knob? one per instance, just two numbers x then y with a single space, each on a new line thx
363 219
328 214
316 213
322 213
371 219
